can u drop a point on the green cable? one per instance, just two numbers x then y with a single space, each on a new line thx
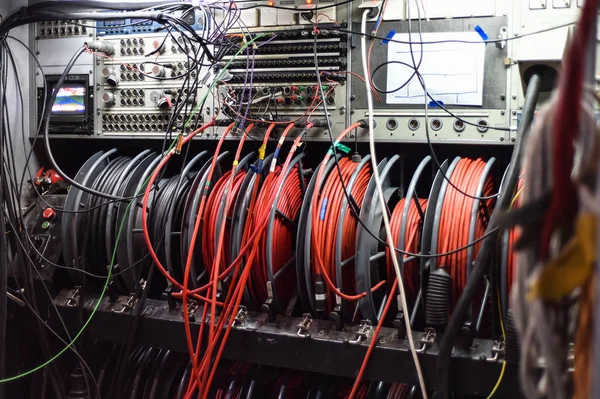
87 322
112 262
195 111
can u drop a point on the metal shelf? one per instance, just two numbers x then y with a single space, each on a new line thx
282 343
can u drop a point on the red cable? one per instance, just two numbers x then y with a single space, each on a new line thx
455 221
234 297
324 234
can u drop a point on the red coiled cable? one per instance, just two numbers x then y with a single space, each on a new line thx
289 205
455 221
211 221
318 262
411 244
325 233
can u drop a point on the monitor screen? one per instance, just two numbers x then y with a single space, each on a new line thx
69 100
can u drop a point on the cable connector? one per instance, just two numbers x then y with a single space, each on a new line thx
319 123
364 123
356 157
101 46
320 295
179 144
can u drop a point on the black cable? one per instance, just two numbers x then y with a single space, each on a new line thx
482 261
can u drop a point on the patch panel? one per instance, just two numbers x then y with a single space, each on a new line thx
58 29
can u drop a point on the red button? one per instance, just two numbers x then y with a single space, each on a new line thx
48 213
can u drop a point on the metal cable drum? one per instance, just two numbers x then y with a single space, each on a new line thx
252 181
215 209
71 228
132 256
303 243
172 238
197 270
368 251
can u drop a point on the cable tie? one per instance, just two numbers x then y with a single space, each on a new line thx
388 37
323 209
481 32
235 163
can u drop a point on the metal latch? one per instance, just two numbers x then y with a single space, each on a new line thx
240 316
131 301
363 332
73 299
497 350
427 340
304 325
503 35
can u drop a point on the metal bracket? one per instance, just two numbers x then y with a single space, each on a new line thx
497 350
503 35
363 332
427 340
304 325
240 316
73 298
131 301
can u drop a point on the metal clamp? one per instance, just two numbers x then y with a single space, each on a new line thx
304 325
73 299
131 301
363 332
497 350
427 340
240 316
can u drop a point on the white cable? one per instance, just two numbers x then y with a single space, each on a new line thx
386 221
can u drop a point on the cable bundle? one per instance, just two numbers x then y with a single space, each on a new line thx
399 391
411 243
455 221
281 237
212 220
326 218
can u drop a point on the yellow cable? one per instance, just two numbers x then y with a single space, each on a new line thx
501 319
503 336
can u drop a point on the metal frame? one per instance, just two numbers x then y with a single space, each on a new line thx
318 348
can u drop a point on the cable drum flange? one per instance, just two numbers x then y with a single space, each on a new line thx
190 214
368 253
242 167
171 219
80 196
434 210
128 246
66 220
295 167
411 197
111 226
340 264
241 212
303 242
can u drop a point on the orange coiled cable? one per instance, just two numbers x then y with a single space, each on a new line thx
411 244
455 221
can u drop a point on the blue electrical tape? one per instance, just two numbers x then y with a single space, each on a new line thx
323 208
388 37
483 35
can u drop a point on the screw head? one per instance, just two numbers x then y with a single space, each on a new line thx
514 97
502 97
502 112
352 112
514 112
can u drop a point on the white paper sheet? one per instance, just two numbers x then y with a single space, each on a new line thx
452 9
453 72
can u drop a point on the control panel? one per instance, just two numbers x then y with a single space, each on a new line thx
156 79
